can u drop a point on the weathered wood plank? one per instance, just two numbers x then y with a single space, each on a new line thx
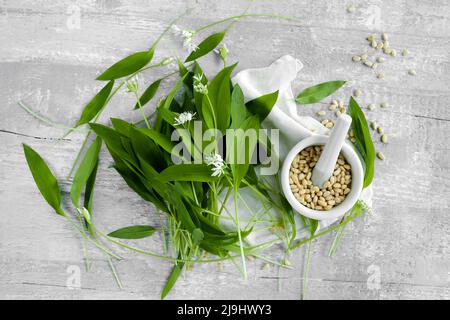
52 68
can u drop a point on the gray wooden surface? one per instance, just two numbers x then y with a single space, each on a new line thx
52 66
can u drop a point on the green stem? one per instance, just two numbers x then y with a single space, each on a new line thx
141 109
244 266
300 243
114 272
306 273
98 245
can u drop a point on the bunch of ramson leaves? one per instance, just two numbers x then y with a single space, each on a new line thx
192 196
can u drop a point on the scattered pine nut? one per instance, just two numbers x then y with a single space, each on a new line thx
321 113
368 63
332 107
351 8
373 125
384 36
380 75
356 58
384 105
380 130
370 38
373 44
380 155
405 52
380 45
380 59
364 57
393 53
387 50
374 65
384 138
357 92
371 107
338 113
412 72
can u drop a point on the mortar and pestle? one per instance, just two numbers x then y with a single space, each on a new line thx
295 136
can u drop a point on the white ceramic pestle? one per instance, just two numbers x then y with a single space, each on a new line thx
325 166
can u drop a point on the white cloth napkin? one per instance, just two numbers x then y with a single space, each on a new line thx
255 83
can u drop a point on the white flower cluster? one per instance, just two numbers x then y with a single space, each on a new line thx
184 117
188 37
218 164
199 86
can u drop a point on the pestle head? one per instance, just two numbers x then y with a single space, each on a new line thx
325 165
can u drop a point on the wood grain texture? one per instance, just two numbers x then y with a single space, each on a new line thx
52 68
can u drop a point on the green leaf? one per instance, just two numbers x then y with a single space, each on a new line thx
240 146
263 105
133 232
318 92
159 139
364 141
127 66
238 110
95 105
44 178
197 235
206 46
313 225
148 94
220 97
173 277
84 171
167 102
187 172
112 139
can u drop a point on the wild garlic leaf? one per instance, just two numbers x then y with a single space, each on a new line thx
160 139
167 102
263 105
241 150
133 232
127 66
206 46
220 97
318 92
173 277
148 94
44 178
187 172
363 140
84 171
197 236
95 105
313 225
238 109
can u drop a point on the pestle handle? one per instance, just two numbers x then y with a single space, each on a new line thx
325 166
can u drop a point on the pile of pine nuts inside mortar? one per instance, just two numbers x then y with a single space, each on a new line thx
333 192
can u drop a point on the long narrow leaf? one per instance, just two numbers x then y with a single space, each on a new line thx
44 178
133 232
319 92
206 46
95 105
263 105
363 139
173 277
84 171
148 94
127 66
